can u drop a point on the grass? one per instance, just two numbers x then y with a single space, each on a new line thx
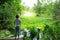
35 21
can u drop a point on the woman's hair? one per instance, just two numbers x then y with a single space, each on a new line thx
17 16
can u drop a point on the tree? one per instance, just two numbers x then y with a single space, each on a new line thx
8 10
37 8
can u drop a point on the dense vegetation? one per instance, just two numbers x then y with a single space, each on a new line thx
8 10
47 18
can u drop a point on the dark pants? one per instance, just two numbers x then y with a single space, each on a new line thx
17 31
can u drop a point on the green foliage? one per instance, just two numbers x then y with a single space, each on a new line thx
33 32
8 10
4 33
48 33
3 1
49 14
37 8
48 20
34 22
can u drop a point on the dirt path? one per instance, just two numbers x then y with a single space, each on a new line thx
13 38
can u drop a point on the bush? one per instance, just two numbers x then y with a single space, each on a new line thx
33 32
4 33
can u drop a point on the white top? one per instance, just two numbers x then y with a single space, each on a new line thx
17 22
